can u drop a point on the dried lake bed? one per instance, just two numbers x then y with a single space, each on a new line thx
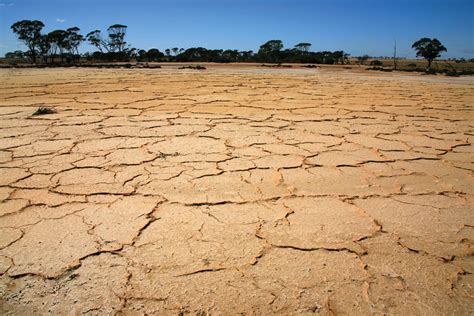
236 190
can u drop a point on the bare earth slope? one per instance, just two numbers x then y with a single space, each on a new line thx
227 191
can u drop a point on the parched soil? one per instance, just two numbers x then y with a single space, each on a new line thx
234 190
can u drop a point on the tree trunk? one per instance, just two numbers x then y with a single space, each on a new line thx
429 63
33 56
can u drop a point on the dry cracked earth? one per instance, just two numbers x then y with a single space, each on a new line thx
226 192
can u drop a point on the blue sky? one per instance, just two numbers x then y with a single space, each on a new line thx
356 26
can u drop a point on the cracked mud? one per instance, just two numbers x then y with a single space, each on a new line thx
226 191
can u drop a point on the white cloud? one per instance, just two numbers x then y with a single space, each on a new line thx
60 20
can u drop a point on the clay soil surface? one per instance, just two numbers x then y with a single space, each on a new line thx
235 190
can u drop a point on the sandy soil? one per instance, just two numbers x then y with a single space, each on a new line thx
235 191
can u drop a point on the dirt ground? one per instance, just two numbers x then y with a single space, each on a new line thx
235 190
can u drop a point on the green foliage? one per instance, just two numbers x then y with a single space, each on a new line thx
271 46
303 47
29 32
429 49
271 51
153 54
18 54
116 41
113 47
95 39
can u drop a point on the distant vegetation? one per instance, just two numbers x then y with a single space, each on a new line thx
61 47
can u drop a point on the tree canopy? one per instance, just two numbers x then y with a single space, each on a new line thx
304 47
116 40
29 32
428 49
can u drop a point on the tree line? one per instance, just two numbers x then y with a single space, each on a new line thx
63 46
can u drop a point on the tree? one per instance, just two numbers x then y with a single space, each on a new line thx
95 39
429 49
18 54
168 52
58 41
230 55
29 32
246 55
114 46
175 50
141 54
339 56
154 54
271 47
117 34
73 40
303 47
271 51
44 47
132 52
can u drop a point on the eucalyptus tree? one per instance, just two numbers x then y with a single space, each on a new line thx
141 54
29 32
58 40
339 56
303 47
18 54
73 40
271 46
271 51
44 47
95 39
154 54
429 49
116 39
